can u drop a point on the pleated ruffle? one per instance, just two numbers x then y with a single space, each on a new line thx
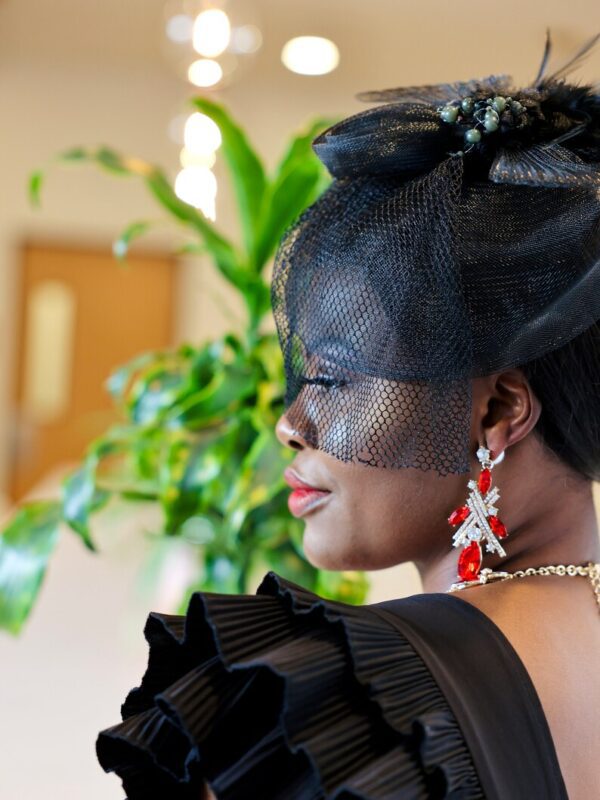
283 695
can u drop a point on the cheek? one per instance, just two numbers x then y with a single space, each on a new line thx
380 518
337 537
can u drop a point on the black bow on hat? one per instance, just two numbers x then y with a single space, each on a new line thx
546 134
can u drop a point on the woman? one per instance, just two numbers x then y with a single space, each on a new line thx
438 309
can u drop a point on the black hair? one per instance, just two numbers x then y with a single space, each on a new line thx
567 383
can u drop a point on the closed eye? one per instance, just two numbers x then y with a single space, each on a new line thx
325 381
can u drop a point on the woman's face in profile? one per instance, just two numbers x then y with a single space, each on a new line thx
365 517
348 424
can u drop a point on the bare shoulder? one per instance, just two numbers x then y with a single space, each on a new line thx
555 630
549 624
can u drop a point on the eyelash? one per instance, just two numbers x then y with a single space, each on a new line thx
324 381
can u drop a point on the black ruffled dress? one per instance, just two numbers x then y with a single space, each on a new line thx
285 695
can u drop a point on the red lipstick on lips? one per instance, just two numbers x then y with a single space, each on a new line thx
304 497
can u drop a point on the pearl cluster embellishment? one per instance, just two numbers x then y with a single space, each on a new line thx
483 116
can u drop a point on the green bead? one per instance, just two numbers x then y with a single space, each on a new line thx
499 103
467 104
449 113
472 136
490 124
491 114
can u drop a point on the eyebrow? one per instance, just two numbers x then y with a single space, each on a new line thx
330 347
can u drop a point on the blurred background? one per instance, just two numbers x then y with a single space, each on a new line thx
106 72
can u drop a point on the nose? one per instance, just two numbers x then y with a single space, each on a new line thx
288 435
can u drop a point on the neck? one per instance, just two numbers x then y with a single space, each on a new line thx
563 529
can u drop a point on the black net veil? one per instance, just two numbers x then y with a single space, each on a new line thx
460 236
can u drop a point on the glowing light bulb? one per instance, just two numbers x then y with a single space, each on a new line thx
201 135
211 34
197 186
310 55
205 72
189 159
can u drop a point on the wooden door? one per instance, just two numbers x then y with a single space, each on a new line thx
81 315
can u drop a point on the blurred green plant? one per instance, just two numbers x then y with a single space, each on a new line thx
198 431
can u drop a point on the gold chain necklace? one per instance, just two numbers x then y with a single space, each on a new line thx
487 575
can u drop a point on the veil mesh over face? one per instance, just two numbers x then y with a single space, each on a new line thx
401 284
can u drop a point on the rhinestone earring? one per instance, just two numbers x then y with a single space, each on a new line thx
479 520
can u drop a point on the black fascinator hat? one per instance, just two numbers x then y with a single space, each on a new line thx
460 236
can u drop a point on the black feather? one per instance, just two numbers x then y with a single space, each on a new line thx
574 60
438 92
545 57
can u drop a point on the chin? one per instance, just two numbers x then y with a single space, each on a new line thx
323 551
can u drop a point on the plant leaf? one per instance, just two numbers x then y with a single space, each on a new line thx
296 190
36 179
184 473
119 380
133 231
245 167
218 465
348 586
198 437
214 402
74 154
80 499
222 251
26 544
114 162
258 481
297 183
156 390
192 248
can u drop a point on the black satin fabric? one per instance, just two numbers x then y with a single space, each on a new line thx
489 690
287 695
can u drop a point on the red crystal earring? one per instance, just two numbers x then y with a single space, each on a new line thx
479 520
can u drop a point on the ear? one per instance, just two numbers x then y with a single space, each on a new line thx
505 409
